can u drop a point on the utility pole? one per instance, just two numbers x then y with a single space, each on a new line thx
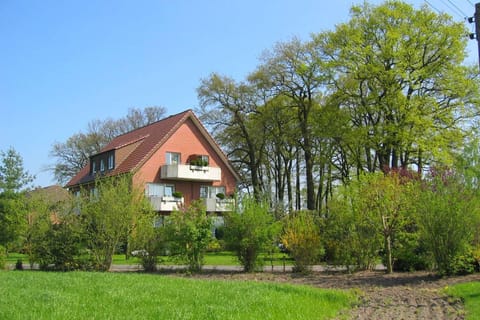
476 35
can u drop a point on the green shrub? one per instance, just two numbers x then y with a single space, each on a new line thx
410 254
301 237
448 218
250 232
3 257
189 233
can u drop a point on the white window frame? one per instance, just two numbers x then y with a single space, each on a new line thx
172 158
159 190
211 191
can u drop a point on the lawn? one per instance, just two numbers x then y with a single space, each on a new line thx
470 295
224 258
83 295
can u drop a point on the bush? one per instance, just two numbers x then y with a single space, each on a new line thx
411 254
350 240
250 232
147 241
301 237
189 233
3 257
448 218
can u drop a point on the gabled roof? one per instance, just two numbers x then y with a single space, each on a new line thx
148 139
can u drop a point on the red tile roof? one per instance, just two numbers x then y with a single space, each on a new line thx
150 138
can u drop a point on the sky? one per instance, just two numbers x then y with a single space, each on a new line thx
66 63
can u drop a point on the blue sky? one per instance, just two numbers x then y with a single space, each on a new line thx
65 63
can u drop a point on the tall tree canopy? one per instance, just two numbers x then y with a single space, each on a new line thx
386 89
398 73
73 154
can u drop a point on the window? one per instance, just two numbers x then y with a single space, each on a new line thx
172 158
111 161
102 165
204 160
94 167
211 192
159 190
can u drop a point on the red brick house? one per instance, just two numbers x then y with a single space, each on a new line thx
175 160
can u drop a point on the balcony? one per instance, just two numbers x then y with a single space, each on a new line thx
219 205
190 172
166 203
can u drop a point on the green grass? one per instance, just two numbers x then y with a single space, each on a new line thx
222 258
470 295
82 295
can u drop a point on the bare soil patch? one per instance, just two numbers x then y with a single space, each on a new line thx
417 295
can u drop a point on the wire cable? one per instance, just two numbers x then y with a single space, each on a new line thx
453 10
438 11
458 9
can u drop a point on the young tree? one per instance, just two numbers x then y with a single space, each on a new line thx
190 231
110 214
13 176
251 231
14 179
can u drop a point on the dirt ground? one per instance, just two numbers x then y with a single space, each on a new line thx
415 295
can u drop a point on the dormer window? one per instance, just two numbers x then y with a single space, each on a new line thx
102 165
94 167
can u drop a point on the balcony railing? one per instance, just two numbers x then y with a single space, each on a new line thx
219 205
190 172
165 203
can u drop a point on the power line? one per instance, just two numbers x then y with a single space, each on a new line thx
458 9
471 3
453 8
432 6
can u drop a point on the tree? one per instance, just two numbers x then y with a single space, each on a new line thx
397 72
228 108
190 231
294 70
13 177
73 154
13 181
110 214
251 231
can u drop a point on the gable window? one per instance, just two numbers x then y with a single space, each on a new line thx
110 161
172 158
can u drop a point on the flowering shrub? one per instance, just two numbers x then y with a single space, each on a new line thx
301 236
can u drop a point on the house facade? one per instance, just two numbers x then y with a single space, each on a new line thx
175 160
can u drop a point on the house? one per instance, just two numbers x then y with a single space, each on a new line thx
175 160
